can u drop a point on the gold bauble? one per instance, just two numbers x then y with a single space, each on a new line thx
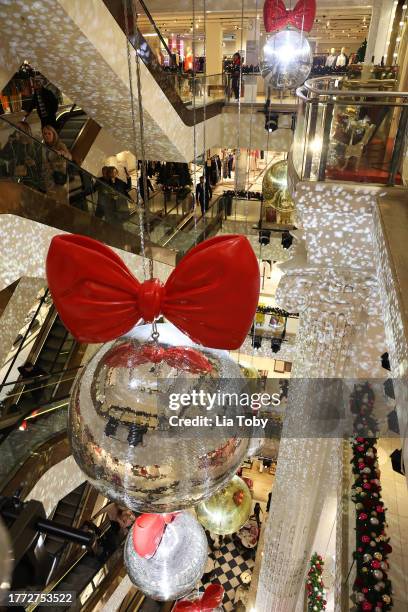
275 187
228 510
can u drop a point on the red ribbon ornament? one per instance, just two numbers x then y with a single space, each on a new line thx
181 357
211 599
147 532
277 17
211 295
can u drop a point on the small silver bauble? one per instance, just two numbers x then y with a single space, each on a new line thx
374 520
176 566
378 575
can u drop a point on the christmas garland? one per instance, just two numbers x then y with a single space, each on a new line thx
372 587
275 311
315 585
246 195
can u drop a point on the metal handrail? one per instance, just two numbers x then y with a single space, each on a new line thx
349 93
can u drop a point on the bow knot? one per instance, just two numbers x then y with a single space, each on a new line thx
277 16
150 299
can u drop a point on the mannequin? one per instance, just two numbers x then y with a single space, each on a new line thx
188 60
342 59
331 58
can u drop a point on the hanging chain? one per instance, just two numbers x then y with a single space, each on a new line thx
130 50
194 128
205 110
145 204
155 333
238 153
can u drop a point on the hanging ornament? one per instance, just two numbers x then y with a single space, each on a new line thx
165 556
6 561
275 188
287 58
228 510
119 421
119 418
210 600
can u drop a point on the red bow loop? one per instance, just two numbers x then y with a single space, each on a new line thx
211 599
277 17
147 532
211 295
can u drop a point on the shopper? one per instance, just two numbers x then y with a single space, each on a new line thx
257 513
45 102
117 183
203 195
102 192
236 75
54 165
20 156
29 371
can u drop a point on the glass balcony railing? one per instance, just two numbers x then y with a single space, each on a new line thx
29 163
350 131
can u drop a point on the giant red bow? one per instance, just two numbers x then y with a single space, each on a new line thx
211 295
147 532
276 17
211 599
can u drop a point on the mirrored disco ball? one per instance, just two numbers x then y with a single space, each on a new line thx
228 510
177 564
119 426
6 561
286 60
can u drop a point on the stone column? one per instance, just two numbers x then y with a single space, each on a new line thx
241 169
380 29
251 59
331 307
213 48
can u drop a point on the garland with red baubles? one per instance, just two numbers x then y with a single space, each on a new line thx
314 585
372 587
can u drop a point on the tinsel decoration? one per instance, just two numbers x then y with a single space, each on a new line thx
372 588
314 585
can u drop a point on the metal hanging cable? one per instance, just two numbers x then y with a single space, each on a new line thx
130 51
193 42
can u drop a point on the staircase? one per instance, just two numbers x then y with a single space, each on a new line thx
65 513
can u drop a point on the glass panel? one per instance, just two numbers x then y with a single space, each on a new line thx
26 160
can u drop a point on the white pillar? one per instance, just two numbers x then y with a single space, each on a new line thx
330 307
251 58
241 169
380 29
213 48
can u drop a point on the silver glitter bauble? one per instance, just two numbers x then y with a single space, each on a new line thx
6 561
119 422
177 564
286 60
378 575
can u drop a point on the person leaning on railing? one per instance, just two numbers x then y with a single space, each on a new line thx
54 168
20 156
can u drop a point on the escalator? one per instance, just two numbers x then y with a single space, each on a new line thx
78 132
78 204
64 514
103 91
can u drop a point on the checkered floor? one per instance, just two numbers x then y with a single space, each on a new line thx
231 561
